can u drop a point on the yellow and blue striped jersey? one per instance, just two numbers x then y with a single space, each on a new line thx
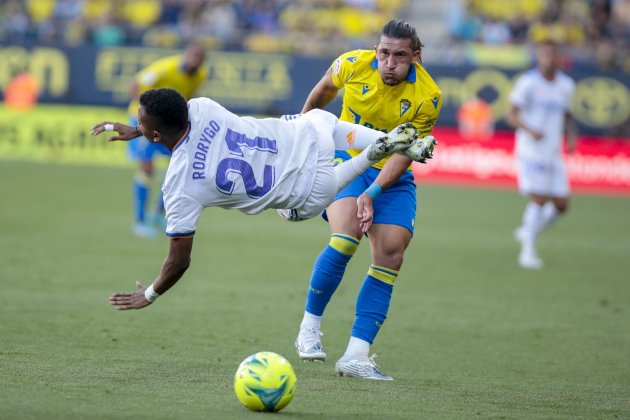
370 102
168 72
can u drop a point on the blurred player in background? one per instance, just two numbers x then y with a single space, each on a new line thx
539 112
243 163
184 73
384 87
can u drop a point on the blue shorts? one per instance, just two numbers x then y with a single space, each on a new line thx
141 149
395 206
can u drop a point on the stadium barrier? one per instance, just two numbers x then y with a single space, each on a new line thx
273 84
253 83
58 133
598 166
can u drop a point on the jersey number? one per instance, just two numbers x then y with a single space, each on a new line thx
235 141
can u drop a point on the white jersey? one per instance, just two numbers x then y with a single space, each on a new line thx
241 163
543 105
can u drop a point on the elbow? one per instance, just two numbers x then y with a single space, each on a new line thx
183 265
180 265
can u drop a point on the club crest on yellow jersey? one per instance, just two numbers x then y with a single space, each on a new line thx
405 104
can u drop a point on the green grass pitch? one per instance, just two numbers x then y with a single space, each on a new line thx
469 334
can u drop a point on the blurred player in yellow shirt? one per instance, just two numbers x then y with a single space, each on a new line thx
184 73
384 87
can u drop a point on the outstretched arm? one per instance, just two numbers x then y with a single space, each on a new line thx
174 267
322 94
125 132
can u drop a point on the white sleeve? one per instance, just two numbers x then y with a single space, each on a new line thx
182 213
519 95
182 210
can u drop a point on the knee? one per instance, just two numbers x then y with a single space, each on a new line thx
391 257
562 207
147 169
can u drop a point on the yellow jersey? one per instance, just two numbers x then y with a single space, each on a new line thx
370 102
167 72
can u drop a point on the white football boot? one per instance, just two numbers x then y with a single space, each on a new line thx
422 149
290 215
527 257
361 368
397 140
143 230
309 346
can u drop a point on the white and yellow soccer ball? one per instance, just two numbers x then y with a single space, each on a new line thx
265 381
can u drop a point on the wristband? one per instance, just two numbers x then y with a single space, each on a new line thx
150 294
373 190
138 133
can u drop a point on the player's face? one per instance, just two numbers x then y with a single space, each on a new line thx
144 125
395 57
547 58
194 57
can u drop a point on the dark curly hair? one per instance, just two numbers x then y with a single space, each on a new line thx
166 108
399 29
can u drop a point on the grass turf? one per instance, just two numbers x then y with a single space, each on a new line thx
469 334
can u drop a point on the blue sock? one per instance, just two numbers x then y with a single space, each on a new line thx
373 302
140 196
328 272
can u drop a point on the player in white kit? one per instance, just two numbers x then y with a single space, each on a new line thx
539 112
221 159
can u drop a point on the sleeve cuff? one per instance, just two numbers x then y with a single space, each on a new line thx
181 235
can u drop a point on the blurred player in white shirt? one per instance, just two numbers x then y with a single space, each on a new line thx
539 111
244 163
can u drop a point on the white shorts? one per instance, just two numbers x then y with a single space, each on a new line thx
543 177
325 182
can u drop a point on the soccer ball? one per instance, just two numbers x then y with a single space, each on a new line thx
265 381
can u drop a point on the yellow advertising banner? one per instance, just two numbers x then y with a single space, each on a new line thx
60 133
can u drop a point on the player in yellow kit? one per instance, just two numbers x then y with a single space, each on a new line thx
384 87
184 73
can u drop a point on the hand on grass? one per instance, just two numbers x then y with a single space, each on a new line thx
129 300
